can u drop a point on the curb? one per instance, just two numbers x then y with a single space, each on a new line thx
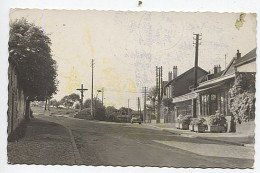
199 137
77 156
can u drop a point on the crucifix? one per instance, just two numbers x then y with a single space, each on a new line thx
82 95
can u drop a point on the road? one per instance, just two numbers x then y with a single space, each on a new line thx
122 144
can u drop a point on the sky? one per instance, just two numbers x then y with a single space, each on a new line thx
127 46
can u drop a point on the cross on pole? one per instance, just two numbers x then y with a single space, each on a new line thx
82 95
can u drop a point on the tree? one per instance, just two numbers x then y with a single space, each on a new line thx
152 97
167 102
111 112
97 102
29 46
124 111
242 97
54 102
69 100
98 108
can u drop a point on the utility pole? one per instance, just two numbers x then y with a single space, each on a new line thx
194 101
82 95
145 113
159 92
128 109
225 60
102 96
139 107
92 67
159 96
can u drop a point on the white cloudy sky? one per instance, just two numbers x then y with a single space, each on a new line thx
126 46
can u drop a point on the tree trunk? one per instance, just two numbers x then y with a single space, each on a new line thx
45 108
27 109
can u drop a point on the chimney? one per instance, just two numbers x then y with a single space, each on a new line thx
215 69
238 54
169 76
174 72
219 68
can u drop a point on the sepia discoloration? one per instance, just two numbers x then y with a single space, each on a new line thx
164 89
240 21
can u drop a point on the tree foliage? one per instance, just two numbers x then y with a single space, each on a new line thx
54 102
111 112
242 97
69 100
30 47
167 102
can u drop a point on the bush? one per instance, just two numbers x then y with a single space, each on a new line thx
201 122
193 121
180 118
84 114
217 119
100 113
186 119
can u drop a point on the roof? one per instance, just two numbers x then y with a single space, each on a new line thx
183 74
210 76
250 56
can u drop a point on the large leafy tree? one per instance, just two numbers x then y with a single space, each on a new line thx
29 45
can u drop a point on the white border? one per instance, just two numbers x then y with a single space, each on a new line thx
124 5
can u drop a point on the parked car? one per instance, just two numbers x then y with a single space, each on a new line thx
136 120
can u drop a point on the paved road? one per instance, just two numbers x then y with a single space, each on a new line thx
120 144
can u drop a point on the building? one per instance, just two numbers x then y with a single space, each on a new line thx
179 90
213 90
16 98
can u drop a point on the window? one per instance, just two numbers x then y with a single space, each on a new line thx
205 104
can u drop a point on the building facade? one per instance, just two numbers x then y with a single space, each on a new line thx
179 90
16 98
213 90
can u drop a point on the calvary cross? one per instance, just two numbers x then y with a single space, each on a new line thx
82 95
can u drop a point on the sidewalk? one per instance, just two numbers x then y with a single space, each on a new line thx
228 138
43 143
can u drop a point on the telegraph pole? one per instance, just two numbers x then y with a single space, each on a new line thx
82 95
194 101
225 60
139 107
102 96
145 113
92 67
128 109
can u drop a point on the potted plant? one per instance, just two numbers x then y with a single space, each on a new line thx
200 125
217 123
184 123
179 119
192 123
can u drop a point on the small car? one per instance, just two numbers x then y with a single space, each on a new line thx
136 120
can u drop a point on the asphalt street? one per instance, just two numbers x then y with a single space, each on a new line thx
122 144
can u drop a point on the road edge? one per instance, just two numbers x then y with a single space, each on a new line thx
77 156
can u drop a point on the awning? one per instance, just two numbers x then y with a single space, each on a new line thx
214 86
184 97
216 80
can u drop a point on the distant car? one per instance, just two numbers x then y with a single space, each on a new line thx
136 120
